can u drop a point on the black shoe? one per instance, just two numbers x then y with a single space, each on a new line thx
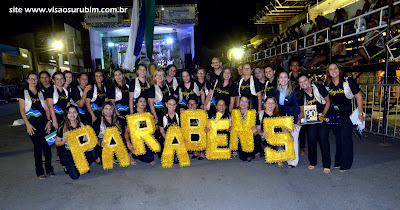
249 159
42 176
51 174
194 157
291 166
201 158
336 166
176 162
343 169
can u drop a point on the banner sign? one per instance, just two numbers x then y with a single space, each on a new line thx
101 17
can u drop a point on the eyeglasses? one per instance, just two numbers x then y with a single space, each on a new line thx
201 73
33 79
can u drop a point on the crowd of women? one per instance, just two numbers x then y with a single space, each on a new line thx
61 104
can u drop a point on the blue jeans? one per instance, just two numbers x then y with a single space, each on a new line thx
73 172
147 157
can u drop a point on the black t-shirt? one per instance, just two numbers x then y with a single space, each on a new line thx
213 77
171 87
36 115
225 93
124 101
101 98
76 96
157 105
311 100
295 80
269 89
144 88
62 102
245 90
338 98
170 122
60 134
97 123
188 93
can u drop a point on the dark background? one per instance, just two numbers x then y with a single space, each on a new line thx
222 24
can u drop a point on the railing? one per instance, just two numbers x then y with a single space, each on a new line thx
285 47
381 106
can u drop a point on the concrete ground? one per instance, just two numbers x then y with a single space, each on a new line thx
372 183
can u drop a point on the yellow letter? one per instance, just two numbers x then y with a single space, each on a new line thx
278 139
167 158
141 135
214 140
77 149
118 148
188 129
245 134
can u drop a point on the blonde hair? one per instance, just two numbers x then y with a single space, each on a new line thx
154 80
289 89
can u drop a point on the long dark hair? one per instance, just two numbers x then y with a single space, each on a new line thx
137 101
38 85
114 118
181 83
66 124
250 105
328 76
171 97
94 77
58 73
221 79
123 80
78 76
48 74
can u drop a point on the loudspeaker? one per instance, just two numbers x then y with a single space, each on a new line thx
188 61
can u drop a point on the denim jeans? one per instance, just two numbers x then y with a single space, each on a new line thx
318 134
147 157
73 172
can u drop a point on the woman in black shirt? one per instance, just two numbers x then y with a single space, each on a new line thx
96 96
139 86
251 87
341 91
36 116
78 96
72 121
118 94
188 90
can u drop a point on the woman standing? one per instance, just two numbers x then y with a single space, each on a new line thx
36 116
260 75
250 87
45 82
72 121
58 98
270 84
107 119
118 94
69 79
78 97
317 95
157 95
188 90
244 106
97 96
202 84
139 86
288 105
224 89
341 91
171 80
270 110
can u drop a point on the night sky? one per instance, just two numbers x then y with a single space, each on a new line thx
222 24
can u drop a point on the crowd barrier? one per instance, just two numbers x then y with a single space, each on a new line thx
381 106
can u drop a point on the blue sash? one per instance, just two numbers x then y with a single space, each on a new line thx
58 110
183 102
33 113
122 108
95 107
158 105
81 111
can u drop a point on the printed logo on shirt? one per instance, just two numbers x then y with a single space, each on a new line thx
334 92
311 102
165 91
101 95
63 97
221 91
244 86
172 124
267 89
124 91
34 100
187 94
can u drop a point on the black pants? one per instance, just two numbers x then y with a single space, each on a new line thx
39 145
344 143
244 155
147 157
73 172
302 137
318 134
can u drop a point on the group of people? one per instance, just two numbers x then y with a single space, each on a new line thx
62 107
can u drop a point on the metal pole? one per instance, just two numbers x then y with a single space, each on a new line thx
385 110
